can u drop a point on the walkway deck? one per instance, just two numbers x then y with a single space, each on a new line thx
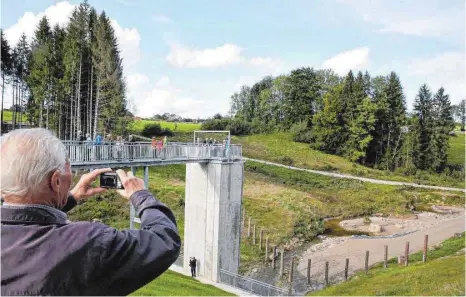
86 156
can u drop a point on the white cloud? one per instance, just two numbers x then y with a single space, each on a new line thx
160 97
355 59
425 18
128 38
445 69
135 80
227 54
160 18
58 13
128 41
184 57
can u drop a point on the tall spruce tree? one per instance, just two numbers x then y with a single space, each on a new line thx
443 124
424 155
395 120
6 69
40 77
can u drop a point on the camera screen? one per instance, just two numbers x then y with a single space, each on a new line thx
110 180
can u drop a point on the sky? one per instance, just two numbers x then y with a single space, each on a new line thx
189 57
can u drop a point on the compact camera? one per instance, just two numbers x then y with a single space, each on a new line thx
110 180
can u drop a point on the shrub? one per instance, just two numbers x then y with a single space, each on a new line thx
154 129
286 160
215 124
239 127
301 133
367 220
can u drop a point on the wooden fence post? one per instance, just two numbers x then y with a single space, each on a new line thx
424 255
346 268
406 253
326 273
242 220
366 264
309 261
261 234
385 257
281 261
254 235
266 249
249 227
290 275
273 257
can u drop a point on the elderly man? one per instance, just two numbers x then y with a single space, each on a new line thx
42 253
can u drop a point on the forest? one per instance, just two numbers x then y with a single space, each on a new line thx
360 117
67 79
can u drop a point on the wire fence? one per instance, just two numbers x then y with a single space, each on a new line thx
250 285
90 152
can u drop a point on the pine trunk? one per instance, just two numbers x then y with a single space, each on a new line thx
1 110
78 110
14 101
96 115
90 100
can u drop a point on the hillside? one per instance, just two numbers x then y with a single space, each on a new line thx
442 275
174 284
280 148
137 126
283 202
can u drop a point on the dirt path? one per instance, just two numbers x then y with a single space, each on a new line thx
336 250
364 179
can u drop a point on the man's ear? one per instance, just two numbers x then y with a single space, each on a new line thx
55 181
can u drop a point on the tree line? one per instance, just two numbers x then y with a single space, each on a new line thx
360 117
67 79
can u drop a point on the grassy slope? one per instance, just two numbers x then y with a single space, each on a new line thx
138 125
443 274
279 200
275 147
174 284
456 150
8 116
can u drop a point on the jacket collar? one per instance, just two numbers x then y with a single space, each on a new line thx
31 213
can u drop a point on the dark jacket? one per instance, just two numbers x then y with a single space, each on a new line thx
192 263
44 254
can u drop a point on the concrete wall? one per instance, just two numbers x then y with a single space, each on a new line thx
213 217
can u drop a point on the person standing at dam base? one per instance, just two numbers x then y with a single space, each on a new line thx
192 264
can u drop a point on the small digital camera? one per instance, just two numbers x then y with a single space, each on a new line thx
110 180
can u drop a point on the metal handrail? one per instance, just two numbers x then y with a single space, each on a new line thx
251 281
91 152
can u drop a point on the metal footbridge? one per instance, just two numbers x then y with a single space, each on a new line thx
84 155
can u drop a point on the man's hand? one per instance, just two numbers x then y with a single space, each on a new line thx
84 189
131 183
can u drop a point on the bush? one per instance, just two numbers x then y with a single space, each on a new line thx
239 127
215 124
301 133
154 129
367 221
286 160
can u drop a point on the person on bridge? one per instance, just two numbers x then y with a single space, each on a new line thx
192 264
43 253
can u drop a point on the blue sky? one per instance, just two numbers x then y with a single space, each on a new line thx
188 57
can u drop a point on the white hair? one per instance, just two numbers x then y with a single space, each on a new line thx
28 157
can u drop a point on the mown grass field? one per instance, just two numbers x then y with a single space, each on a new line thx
8 116
280 148
456 150
137 126
174 284
442 275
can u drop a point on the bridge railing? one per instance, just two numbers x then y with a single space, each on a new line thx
90 152
251 285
